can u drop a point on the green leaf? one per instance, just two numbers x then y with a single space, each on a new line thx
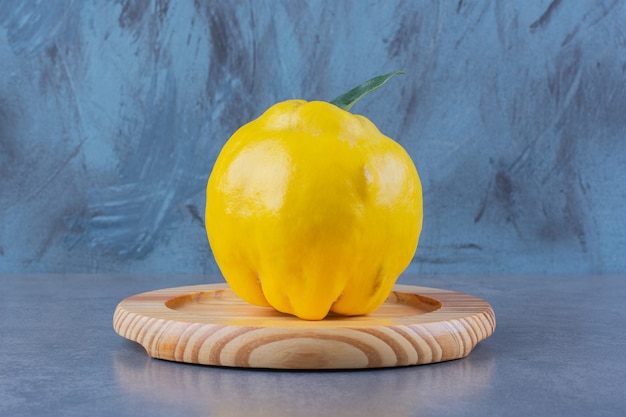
347 100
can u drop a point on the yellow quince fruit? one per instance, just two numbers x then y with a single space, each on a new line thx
310 209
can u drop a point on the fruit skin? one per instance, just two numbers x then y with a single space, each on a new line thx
312 209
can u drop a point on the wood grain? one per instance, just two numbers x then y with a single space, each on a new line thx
210 325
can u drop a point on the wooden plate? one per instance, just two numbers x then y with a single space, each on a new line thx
210 325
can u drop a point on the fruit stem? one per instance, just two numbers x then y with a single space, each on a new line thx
347 100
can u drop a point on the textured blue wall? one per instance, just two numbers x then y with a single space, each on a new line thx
112 113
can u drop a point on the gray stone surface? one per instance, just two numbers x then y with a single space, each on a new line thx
558 350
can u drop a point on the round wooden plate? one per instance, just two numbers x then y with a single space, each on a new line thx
210 325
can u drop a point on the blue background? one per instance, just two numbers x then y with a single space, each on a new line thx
113 112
